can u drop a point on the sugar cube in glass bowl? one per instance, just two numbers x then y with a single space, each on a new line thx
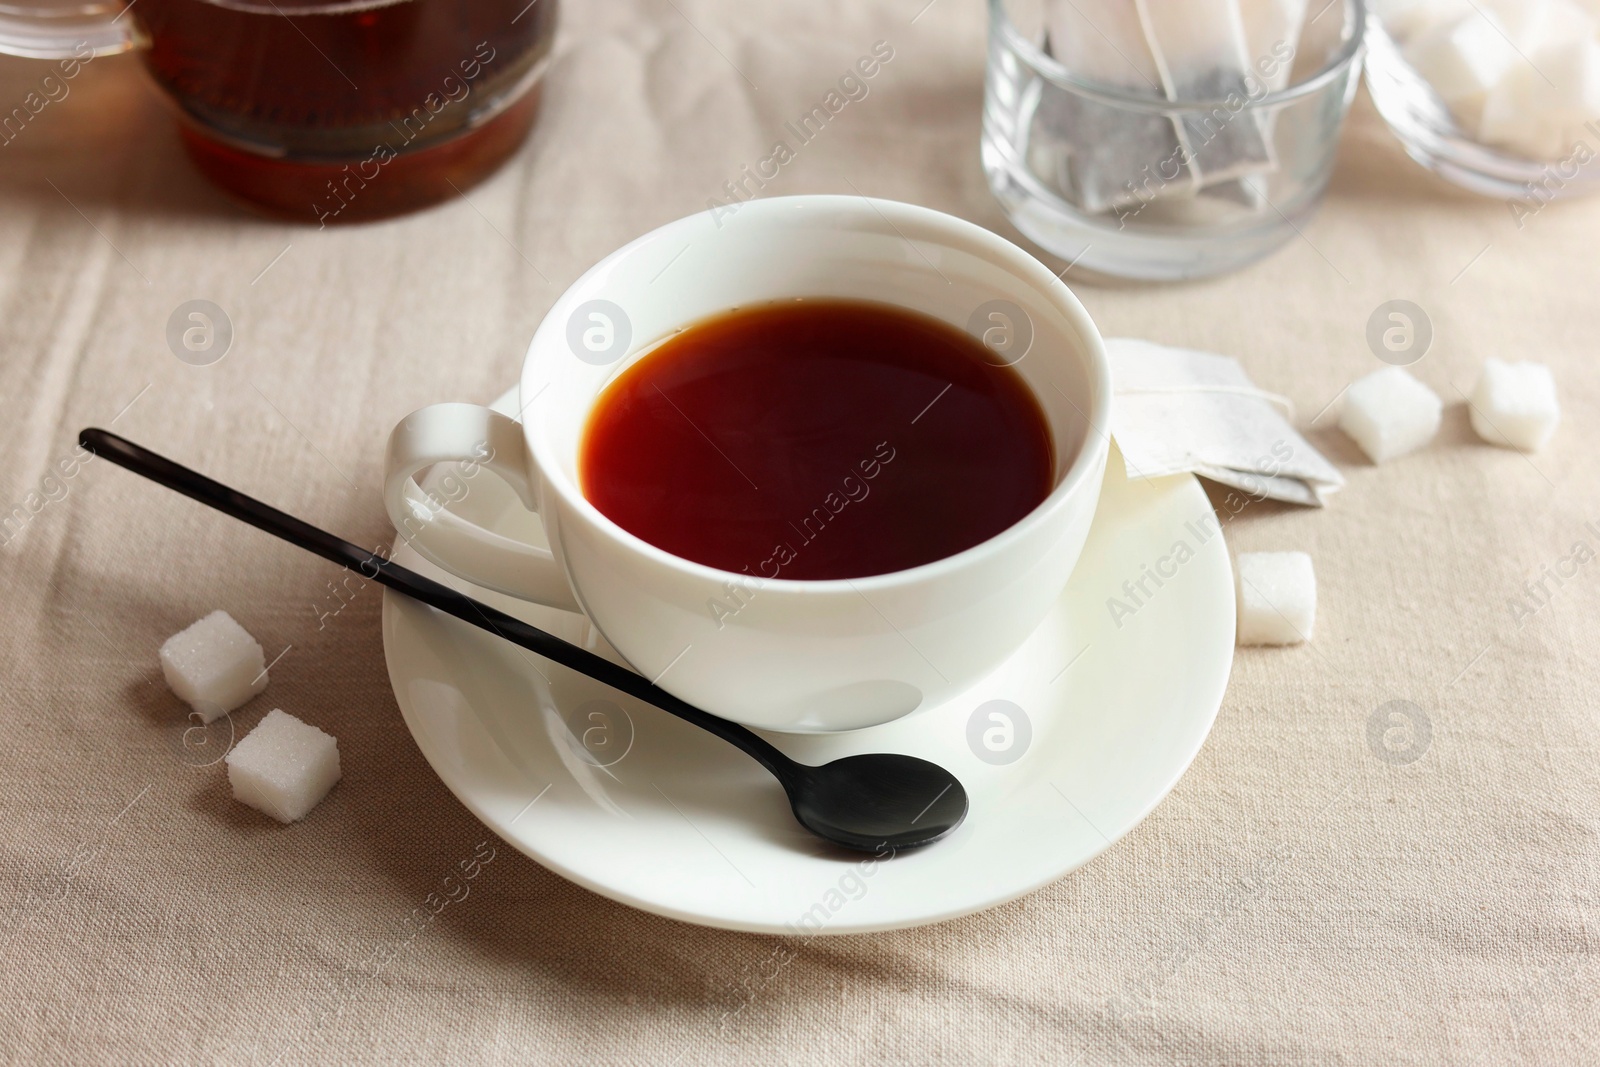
1499 96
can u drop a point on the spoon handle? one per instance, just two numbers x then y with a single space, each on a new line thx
196 486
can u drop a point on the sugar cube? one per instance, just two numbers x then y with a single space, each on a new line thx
1405 19
1573 66
1514 404
1509 121
1463 59
1277 598
1389 413
1536 108
214 666
1533 24
283 767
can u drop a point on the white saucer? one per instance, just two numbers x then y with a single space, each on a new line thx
640 807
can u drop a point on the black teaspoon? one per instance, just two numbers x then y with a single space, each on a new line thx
870 803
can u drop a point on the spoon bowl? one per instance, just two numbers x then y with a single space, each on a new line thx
867 803
878 801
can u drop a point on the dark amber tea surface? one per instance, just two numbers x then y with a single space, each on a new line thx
816 439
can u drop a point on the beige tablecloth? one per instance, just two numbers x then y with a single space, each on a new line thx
1296 900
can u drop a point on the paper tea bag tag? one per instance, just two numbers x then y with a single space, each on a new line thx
1201 53
1271 37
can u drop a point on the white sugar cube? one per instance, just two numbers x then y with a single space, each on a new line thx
1520 19
1405 19
1507 120
1532 24
1465 58
1277 598
1514 404
1535 110
1389 413
283 767
1544 96
1571 95
214 666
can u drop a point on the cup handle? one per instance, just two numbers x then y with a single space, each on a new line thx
472 438
73 33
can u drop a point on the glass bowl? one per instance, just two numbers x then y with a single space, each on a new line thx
1431 135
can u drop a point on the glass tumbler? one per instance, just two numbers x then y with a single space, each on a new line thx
320 111
1157 180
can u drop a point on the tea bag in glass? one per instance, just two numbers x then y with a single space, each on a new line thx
1272 36
1201 54
1272 32
1111 157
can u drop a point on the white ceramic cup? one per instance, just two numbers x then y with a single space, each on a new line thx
778 654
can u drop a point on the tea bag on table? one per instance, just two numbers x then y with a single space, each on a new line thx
1179 411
